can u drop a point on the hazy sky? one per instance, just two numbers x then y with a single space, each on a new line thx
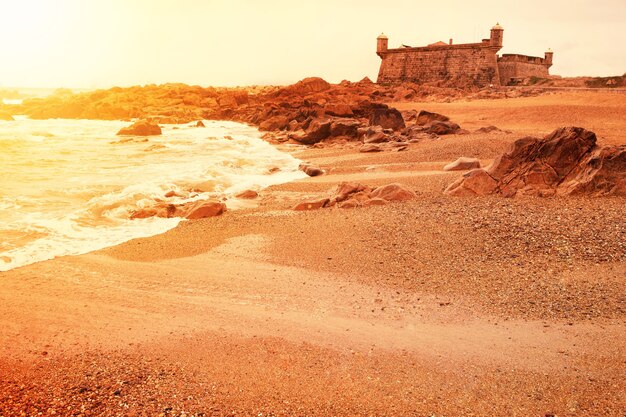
98 43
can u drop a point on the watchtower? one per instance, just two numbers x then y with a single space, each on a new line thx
382 44
496 36
548 57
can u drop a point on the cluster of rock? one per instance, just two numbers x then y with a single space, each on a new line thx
307 112
191 210
351 195
568 161
313 111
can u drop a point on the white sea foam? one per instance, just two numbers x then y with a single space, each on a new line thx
68 186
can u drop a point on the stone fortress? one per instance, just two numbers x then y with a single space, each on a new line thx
462 65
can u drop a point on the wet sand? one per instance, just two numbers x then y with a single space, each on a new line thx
437 306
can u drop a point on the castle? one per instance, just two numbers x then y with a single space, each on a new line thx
468 64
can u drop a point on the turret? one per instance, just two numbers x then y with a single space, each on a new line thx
382 42
496 36
548 56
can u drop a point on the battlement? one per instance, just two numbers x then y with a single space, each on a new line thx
524 59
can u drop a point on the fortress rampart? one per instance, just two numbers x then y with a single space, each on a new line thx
470 64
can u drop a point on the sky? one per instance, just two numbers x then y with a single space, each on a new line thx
99 44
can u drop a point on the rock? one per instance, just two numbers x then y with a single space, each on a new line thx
310 170
6 116
443 128
338 109
370 147
425 117
345 127
393 192
376 137
141 128
308 85
247 195
319 129
275 123
170 193
346 189
312 205
161 209
475 182
462 164
200 123
567 161
205 209
387 118
603 173
488 129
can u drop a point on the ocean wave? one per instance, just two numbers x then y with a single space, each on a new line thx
75 190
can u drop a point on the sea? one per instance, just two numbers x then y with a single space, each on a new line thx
68 187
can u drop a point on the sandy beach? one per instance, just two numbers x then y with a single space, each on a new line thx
436 306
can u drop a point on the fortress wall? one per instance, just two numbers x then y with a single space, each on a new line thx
515 69
463 65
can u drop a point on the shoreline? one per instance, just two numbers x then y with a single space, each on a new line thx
438 305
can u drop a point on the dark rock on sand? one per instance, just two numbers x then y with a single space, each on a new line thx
310 170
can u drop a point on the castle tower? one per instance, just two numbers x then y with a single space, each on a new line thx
382 43
496 36
548 56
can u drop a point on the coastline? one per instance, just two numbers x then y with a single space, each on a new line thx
500 306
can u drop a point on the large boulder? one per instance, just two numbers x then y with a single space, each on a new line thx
567 161
141 128
387 118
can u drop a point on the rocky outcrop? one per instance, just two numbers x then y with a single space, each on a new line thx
565 162
141 128
462 164
352 195
5 116
308 112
